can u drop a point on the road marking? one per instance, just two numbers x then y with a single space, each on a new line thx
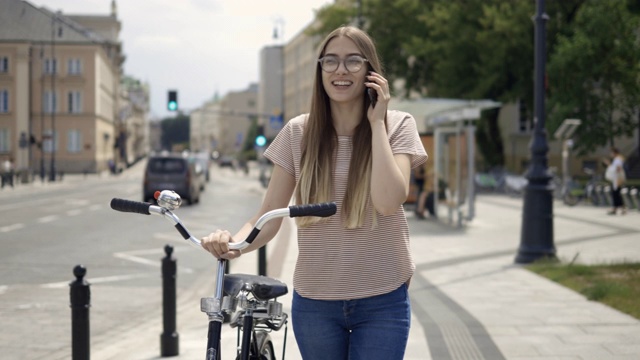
3 289
46 219
12 227
74 212
105 279
95 207
132 256
77 202
137 259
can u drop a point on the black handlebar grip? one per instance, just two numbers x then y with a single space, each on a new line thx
320 210
130 206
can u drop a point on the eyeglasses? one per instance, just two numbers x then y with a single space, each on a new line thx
352 63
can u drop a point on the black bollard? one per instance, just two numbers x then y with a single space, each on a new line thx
262 261
169 336
80 295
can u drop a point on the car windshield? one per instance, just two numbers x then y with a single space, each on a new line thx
166 166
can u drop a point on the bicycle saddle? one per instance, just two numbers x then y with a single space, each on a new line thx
262 287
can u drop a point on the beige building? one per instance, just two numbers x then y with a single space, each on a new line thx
132 123
237 110
270 90
300 60
59 88
204 126
517 130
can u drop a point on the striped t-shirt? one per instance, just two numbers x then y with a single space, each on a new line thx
336 263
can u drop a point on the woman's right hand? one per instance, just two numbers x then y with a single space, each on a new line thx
217 243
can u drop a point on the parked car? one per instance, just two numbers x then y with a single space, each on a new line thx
202 159
226 161
172 172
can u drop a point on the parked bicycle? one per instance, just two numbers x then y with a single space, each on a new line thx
573 192
256 296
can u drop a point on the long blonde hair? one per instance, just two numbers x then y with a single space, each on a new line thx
320 140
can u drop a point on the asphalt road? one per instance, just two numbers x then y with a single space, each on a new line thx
45 234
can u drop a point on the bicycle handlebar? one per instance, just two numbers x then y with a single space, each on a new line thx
130 206
144 208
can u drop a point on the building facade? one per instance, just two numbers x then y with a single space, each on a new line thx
271 90
237 110
132 130
300 60
204 126
59 85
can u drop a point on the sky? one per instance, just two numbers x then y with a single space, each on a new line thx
197 47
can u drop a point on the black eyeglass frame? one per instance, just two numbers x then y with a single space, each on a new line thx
343 61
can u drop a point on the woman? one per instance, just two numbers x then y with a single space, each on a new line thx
350 298
615 174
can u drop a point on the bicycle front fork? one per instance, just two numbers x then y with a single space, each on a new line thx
212 306
247 332
213 342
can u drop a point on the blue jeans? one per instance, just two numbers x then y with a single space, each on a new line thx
371 328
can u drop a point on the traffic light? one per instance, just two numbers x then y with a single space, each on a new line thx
172 102
261 140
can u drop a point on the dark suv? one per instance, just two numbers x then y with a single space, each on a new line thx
171 172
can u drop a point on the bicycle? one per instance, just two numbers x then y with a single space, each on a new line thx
573 192
260 312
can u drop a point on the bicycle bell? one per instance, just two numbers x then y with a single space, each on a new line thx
168 199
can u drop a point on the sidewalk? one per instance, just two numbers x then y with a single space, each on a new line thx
469 299
68 180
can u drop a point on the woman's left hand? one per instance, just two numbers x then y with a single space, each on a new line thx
380 85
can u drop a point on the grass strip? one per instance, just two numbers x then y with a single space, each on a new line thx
615 285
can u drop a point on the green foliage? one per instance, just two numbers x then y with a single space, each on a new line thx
484 49
252 132
594 73
175 131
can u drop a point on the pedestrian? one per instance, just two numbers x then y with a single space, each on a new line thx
350 298
427 199
7 172
616 175
418 181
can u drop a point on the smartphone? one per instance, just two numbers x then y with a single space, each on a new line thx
373 96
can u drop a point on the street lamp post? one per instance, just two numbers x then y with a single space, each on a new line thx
536 238
54 68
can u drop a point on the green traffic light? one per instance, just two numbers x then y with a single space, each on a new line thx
261 140
173 106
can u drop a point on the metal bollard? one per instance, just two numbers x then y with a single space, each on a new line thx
262 261
169 336
626 198
633 194
80 296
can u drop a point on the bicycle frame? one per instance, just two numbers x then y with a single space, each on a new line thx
213 306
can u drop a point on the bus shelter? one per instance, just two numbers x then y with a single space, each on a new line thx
447 128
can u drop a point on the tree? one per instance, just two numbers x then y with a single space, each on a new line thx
483 49
175 132
594 74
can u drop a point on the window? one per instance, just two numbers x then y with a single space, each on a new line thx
74 67
50 141
50 102
50 66
75 102
4 140
4 101
74 141
4 64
